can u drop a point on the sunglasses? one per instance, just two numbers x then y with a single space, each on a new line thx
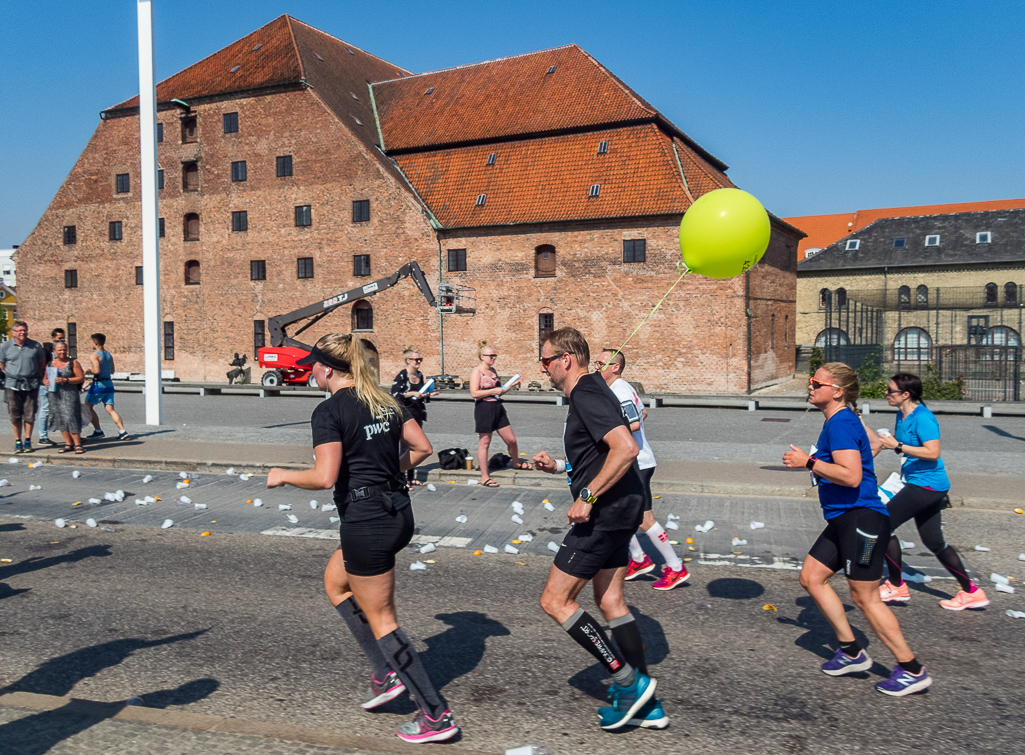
600 365
890 393
815 385
548 360
415 359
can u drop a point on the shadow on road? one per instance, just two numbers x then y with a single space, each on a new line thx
735 588
36 563
11 527
1001 432
6 591
40 732
819 638
457 651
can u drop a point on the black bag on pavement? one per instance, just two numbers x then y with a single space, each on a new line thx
453 458
499 461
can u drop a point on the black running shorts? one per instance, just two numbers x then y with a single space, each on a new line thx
369 547
585 551
854 543
489 416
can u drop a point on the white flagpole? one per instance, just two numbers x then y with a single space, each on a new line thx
150 244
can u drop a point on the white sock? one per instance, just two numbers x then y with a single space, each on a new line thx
636 551
658 536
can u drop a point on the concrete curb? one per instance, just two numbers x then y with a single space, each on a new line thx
506 478
181 719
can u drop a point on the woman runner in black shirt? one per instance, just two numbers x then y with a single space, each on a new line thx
356 436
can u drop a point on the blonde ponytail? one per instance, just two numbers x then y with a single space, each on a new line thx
345 348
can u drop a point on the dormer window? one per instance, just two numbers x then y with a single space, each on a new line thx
595 190
481 199
853 244
900 243
932 240
603 147
983 237
492 157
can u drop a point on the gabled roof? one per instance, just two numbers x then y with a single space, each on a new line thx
508 98
823 230
550 178
958 245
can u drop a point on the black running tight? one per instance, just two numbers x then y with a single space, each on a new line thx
925 507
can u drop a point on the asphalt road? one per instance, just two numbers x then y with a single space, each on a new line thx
238 620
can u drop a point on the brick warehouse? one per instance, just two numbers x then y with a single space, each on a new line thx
292 161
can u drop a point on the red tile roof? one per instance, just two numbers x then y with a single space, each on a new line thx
823 230
550 178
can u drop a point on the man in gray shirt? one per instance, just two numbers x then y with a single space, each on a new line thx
23 361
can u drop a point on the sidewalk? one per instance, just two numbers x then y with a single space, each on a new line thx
68 726
703 477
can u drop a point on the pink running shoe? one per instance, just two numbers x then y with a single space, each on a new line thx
423 728
671 579
637 568
890 594
964 600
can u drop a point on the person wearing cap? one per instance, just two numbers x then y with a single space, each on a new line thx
356 436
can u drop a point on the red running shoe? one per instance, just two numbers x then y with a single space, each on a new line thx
637 568
671 579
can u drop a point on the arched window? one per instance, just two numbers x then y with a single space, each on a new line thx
192 273
362 315
922 296
991 294
841 298
189 130
912 345
190 227
190 177
1010 294
824 297
544 260
832 337
1001 335
904 297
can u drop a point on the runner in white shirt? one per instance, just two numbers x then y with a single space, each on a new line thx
611 366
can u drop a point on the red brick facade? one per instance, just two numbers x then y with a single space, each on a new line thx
697 342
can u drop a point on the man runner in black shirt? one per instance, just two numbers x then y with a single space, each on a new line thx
607 508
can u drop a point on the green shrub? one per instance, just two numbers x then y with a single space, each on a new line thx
815 360
935 389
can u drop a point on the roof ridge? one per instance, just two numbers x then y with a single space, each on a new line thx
479 63
638 100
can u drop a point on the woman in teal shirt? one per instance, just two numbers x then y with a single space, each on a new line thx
917 438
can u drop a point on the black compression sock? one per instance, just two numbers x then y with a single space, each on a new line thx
404 659
850 649
912 666
952 563
357 622
590 636
628 637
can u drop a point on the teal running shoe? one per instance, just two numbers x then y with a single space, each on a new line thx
650 716
626 702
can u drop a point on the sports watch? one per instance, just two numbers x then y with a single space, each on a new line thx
899 449
587 496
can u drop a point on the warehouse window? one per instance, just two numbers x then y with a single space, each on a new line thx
360 265
192 273
544 261
190 176
70 234
362 316
545 325
169 341
231 123
160 179
160 227
303 215
257 270
114 231
456 260
240 220
304 267
122 183
284 166
190 227
259 337
634 250
361 211
160 132
72 340
238 171
70 279
138 275
190 132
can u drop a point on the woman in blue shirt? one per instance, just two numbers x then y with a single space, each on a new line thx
856 534
917 438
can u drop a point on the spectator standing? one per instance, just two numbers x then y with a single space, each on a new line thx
56 336
24 362
406 389
101 389
488 412
65 404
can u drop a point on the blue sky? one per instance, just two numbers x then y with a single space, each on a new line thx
818 106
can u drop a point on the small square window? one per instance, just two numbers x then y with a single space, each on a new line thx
240 220
284 166
114 232
551 69
932 240
231 123
160 227
138 275
238 171
360 264
361 211
852 245
257 270
603 147
481 199
160 132
595 190
456 260
70 234
492 157
303 215
304 267
983 237
123 183
160 180
900 243
70 279
634 250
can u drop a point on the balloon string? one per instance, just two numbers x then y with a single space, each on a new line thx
648 317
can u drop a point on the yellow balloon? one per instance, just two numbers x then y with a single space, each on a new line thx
724 233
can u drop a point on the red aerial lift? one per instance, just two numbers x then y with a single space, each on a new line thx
281 356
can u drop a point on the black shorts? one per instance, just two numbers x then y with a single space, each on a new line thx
855 543
369 547
646 475
586 551
490 416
